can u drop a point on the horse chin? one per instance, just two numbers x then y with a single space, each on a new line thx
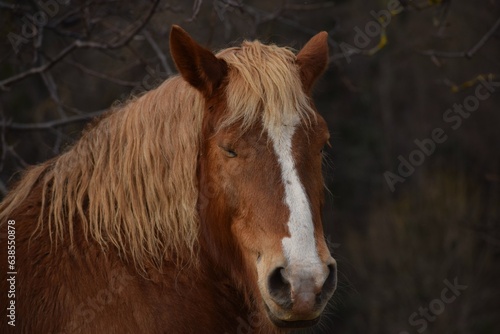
291 324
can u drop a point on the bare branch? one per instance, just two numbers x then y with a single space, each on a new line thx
464 54
262 16
78 44
455 88
484 39
34 70
443 19
101 75
52 88
20 160
158 51
196 10
54 123
309 6
443 54
14 7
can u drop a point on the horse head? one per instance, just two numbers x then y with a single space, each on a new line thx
260 171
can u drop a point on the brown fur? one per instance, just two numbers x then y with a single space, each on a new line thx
146 225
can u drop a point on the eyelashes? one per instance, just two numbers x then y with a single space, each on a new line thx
230 153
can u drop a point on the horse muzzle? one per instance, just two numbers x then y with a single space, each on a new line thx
298 294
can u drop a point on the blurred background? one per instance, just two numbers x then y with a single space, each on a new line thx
411 97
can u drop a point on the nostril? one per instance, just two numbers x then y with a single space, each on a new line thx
279 288
277 281
331 281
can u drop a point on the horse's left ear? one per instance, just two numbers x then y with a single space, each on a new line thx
197 65
313 59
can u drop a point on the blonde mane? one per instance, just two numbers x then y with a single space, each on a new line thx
264 84
131 182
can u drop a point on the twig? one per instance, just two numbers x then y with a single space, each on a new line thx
261 16
443 54
484 39
15 7
464 54
311 6
455 88
445 11
20 160
257 13
34 70
101 75
52 88
196 10
54 123
158 51
418 6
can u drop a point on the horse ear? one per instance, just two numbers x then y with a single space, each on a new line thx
313 59
197 65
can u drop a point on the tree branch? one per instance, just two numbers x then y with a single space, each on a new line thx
101 75
158 51
484 39
52 124
309 6
464 54
78 44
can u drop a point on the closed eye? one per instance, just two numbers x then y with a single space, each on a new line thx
229 152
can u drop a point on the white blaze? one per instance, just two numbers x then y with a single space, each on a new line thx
300 248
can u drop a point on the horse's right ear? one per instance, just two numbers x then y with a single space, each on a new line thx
197 65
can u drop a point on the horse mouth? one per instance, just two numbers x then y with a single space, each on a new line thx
291 324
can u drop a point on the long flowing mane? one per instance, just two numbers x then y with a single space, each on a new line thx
130 181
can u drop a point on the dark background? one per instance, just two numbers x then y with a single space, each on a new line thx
385 88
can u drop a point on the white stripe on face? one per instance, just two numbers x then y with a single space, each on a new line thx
300 248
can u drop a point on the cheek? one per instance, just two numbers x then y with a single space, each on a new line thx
245 231
256 240
234 170
236 179
237 189
229 178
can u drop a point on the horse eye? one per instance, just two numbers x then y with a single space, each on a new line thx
229 153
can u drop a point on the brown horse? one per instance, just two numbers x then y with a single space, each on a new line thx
194 208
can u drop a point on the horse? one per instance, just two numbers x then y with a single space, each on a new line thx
193 208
